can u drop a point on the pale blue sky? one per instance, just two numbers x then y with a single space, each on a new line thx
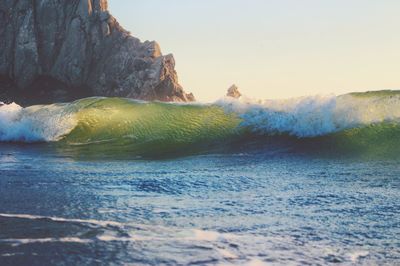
272 49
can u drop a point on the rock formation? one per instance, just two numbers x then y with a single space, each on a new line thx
233 92
59 50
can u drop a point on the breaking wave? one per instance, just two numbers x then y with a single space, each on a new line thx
34 124
354 121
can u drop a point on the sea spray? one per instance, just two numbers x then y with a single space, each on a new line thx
315 115
41 123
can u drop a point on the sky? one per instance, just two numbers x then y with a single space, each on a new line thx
272 48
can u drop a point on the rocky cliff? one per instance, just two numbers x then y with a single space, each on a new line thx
59 50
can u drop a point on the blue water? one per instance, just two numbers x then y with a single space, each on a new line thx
246 207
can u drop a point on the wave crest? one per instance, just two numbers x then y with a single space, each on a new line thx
314 116
34 124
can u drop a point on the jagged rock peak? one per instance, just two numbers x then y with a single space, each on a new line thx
58 50
233 92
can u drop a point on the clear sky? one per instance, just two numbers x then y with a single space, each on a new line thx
272 48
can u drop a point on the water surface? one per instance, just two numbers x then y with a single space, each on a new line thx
248 206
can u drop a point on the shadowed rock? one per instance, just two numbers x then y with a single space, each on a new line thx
233 92
60 50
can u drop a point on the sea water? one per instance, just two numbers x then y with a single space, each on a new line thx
322 187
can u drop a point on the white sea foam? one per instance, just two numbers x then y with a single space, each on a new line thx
34 124
24 241
201 235
229 248
315 115
58 219
356 255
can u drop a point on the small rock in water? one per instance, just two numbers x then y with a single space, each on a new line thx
233 92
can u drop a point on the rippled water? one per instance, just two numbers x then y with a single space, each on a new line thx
218 209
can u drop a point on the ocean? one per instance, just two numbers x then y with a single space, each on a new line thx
111 181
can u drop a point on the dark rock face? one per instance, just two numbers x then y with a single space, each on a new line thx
59 50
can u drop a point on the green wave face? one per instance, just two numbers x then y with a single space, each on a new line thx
376 140
148 129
